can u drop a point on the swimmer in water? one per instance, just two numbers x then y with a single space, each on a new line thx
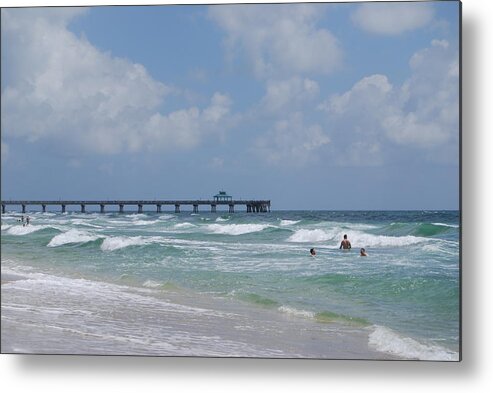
345 244
312 252
362 253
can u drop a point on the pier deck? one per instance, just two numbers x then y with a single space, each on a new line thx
252 206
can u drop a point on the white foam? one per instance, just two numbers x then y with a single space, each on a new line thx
72 236
166 217
297 313
310 235
45 214
21 230
386 340
288 222
118 242
220 219
446 225
5 227
152 284
79 221
236 229
143 222
362 240
439 247
184 225
135 216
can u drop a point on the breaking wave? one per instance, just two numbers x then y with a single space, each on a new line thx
358 239
21 230
72 236
236 229
288 222
119 242
386 340
310 235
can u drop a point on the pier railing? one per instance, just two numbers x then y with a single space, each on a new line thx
252 206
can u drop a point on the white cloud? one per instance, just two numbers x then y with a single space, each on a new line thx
421 113
286 93
185 128
355 118
372 90
280 39
60 87
429 115
291 142
408 128
392 18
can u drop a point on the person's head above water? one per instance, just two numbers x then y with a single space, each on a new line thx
312 251
345 236
362 252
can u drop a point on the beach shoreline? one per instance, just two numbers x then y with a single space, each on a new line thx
38 321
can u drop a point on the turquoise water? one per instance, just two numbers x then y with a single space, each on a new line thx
404 296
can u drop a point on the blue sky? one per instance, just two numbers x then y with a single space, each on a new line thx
314 106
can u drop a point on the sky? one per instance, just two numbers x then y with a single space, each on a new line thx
315 106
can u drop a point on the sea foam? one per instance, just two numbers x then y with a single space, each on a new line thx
288 222
357 238
152 284
386 340
297 313
118 242
21 230
445 225
309 235
166 217
184 225
368 240
144 222
236 229
72 236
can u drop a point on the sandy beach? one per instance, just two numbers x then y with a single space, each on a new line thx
47 314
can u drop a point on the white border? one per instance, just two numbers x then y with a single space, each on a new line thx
94 374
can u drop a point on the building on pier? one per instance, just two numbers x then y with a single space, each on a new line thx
222 197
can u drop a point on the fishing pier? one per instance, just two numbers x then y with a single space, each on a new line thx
252 206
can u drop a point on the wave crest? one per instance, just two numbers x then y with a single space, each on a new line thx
236 229
118 242
72 236
21 230
288 222
310 235
386 340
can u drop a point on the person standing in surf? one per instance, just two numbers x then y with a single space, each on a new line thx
345 244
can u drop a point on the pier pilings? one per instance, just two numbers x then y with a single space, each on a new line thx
252 206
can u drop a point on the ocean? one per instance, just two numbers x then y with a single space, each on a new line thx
233 284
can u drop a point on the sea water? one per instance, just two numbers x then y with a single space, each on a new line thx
233 284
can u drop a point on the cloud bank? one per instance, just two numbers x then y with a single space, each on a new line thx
291 142
62 88
392 18
278 39
422 113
